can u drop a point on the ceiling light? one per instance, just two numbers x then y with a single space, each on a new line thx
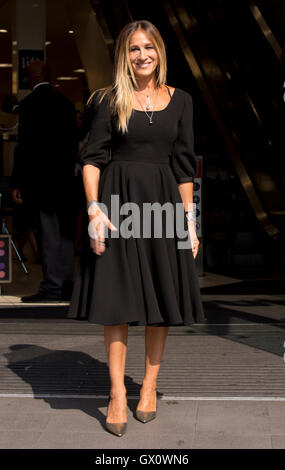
5 65
3 30
71 31
79 70
48 43
66 78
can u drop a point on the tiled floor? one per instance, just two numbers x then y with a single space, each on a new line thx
77 424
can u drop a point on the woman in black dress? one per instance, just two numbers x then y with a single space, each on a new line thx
140 150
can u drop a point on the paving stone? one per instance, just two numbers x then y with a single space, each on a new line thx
18 439
233 424
278 442
31 421
277 409
226 440
277 425
105 440
233 408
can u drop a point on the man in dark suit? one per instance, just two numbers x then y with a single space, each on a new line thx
43 177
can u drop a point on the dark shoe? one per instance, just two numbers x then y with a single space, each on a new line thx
67 290
39 298
145 416
118 429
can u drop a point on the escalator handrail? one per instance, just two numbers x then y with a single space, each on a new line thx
266 30
242 173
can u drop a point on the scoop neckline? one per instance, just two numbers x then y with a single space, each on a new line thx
158 110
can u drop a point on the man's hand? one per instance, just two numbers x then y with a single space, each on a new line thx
16 196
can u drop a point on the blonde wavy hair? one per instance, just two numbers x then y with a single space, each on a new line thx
120 92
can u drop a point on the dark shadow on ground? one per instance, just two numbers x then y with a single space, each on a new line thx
66 373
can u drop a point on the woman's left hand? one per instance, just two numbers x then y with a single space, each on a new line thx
193 237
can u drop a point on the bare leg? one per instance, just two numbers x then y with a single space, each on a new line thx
155 337
116 338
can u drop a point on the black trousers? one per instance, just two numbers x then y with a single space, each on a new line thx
55 228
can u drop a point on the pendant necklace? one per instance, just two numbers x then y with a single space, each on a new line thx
148 106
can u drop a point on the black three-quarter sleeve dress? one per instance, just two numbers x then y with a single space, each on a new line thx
140 280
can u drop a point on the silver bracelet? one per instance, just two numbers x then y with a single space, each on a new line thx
190 215
91 203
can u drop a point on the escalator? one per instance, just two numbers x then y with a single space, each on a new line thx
270 14
237 90
219 52
248 65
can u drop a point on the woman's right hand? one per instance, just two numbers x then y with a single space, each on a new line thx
97 222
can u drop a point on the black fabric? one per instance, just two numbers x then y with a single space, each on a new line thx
55 231
43 170
169 92
47 148
140 281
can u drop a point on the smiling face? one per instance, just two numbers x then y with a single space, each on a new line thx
143 56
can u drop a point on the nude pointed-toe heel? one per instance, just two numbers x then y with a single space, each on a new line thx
118 429
145 416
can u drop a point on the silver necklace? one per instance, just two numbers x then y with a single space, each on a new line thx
148 106
148 103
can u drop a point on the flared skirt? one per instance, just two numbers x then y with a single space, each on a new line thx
138 280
